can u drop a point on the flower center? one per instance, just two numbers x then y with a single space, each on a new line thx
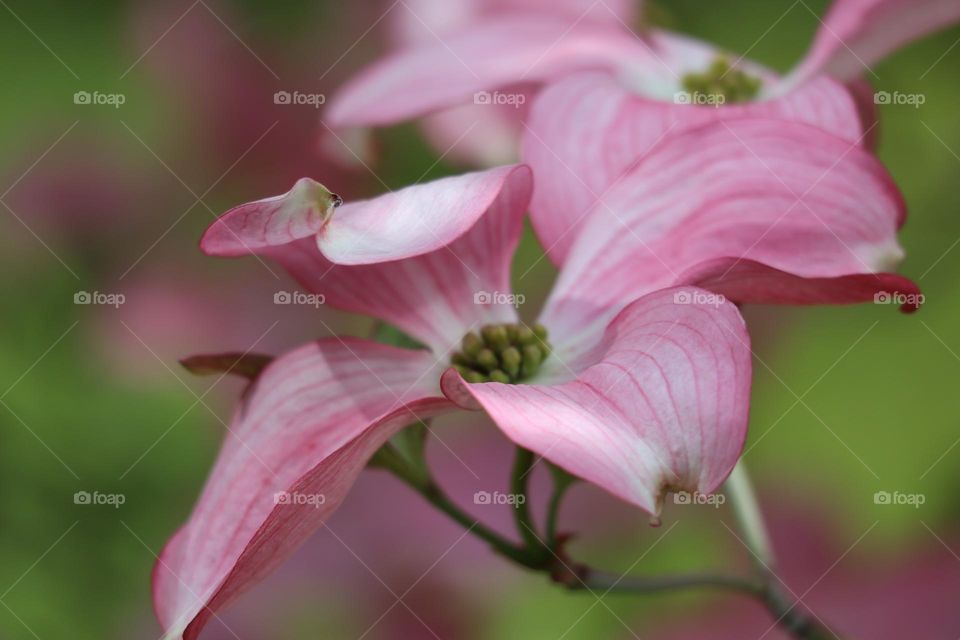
507 353
721 79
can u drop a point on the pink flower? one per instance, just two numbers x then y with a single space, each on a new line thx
641 385
613 95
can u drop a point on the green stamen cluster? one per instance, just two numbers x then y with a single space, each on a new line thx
507 353
721 79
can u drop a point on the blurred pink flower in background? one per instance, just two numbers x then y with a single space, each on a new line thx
81 189
229 90
612 95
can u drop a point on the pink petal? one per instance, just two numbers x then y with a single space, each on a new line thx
586 131
491 54
782 194
421 218
299 213
480 135
416 21
856 34
749 281
659 404
308 426
414 220
435 297
487 135
422 254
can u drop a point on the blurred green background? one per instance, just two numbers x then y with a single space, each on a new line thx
847 401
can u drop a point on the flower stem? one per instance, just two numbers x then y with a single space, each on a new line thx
419 479
603 581
561 482
572 575
746 509
522 466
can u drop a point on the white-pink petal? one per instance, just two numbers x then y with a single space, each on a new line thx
303 432
299 213
437 296
417 219
426 258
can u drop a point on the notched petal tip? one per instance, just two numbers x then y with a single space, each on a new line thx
899 291
301 212
454 387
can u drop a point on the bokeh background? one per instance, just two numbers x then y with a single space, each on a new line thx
112 199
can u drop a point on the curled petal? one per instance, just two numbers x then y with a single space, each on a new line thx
421 258
785 195
856 34
399 224
749 281
418 219
299 213
585 132
659 404
302 434
499 52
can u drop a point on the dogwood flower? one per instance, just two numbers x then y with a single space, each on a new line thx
636 376
612 95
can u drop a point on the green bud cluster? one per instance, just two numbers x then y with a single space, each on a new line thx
507 353
722 79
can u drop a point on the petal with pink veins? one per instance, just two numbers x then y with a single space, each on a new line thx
304 432
299 213
659 404
856 34
419 219
800 202
585 132
419 256
489 55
